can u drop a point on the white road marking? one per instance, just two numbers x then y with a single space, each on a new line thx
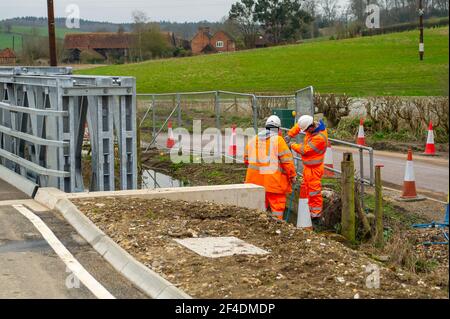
75 267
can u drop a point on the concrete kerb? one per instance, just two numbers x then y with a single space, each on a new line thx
248 196
142 277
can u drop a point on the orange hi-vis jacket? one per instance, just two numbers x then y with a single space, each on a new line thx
269 163
314 145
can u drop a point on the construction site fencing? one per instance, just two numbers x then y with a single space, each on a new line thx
44 115
222 109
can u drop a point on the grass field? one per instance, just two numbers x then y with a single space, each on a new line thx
6 39
379 65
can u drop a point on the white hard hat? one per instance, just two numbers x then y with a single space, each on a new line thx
305 121
273 121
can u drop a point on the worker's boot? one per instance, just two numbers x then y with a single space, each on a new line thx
317 223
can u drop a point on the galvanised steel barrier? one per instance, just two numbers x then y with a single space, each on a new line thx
43 116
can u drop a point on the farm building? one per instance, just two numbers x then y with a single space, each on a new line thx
7 57
106 44
204 42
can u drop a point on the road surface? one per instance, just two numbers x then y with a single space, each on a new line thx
432 173
30 267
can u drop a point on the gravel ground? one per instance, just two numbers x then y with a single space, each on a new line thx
300 264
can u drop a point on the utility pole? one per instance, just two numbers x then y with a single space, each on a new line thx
421 44
51 32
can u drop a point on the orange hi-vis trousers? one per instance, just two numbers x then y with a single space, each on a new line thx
277 204
312 182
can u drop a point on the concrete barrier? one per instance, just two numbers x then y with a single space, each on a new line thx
241 195
18 181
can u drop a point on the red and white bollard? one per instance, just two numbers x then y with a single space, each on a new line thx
430 149
304 215
170 138
232 150
361 140
409 183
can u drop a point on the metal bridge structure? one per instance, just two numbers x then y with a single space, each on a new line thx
44 113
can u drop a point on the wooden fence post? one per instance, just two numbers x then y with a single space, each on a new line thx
348 197
379 229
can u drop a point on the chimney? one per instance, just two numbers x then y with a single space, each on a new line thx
204 30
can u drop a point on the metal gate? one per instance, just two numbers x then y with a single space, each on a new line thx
43 116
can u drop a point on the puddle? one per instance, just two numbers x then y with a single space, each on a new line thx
152 179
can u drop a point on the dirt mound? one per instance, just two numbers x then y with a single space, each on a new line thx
300 264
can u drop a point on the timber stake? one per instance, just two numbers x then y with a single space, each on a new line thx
348 197
379 234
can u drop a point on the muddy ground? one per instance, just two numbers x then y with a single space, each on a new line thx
300 264
194 174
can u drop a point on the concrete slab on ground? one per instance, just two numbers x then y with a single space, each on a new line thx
215 247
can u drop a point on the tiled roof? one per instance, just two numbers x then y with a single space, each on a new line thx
7 54
100 40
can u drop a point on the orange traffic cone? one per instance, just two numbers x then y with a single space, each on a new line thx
232 150
409 184
361 140
329 161
304 215
170 138
430 148
86 135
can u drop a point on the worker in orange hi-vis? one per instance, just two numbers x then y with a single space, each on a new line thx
270 164
312 151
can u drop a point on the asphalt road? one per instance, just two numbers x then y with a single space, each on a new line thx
30 268
432 173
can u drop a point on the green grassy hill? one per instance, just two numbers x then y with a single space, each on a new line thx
6 39
379 65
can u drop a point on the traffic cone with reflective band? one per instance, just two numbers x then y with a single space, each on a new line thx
361 136
232 150
170 138
329 161
86 135
409 183
304 216
430 148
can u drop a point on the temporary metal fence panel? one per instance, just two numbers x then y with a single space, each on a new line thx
221 109
43 115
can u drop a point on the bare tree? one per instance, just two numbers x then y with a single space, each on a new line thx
330 9
140 19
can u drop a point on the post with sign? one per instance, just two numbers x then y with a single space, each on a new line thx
421 44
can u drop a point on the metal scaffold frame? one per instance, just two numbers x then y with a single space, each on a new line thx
43 115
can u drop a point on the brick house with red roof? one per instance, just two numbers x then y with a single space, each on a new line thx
8 57
204 42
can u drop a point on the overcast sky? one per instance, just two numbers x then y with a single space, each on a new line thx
120 10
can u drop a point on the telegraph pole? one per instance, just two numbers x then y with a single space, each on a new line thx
51 32
421 44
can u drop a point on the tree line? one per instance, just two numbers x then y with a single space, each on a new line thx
279 21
